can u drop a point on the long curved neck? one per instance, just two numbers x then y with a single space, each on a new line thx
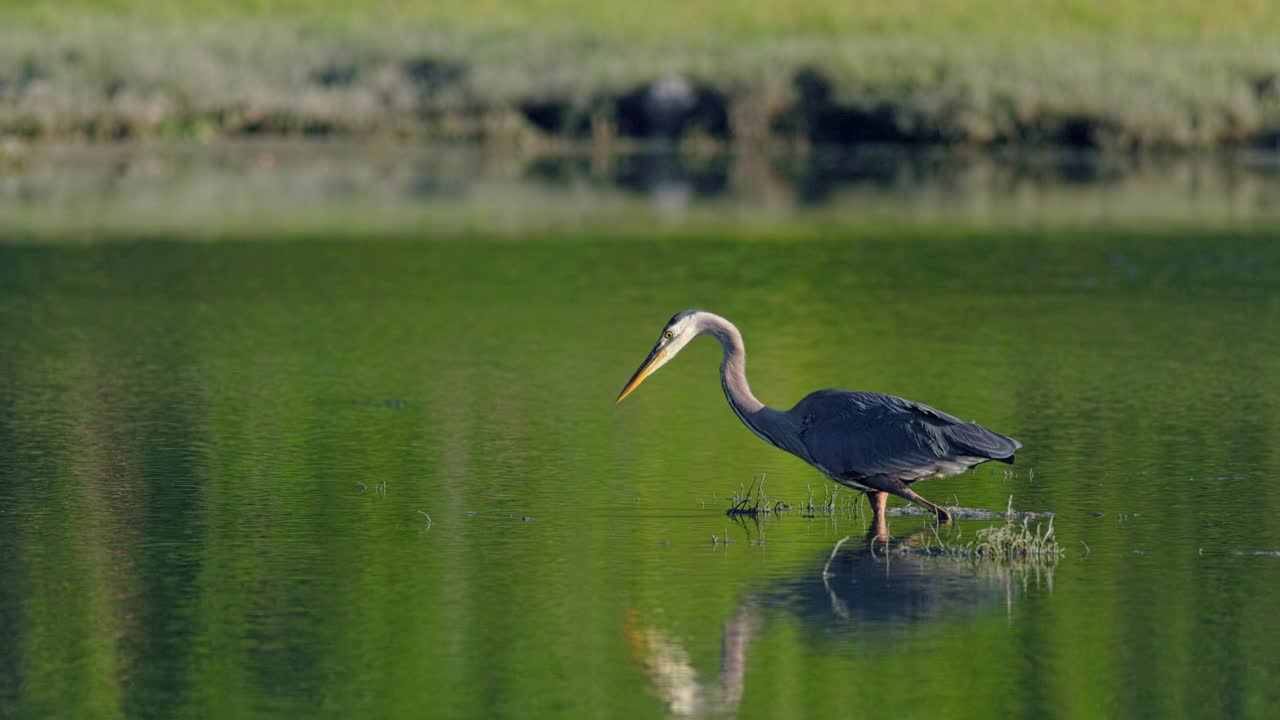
733 368
769 424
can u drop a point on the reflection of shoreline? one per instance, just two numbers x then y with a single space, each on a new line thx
296 186
863 600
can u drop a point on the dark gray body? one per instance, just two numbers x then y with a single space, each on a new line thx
873 441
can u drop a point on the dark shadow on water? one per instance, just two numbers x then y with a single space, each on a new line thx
870 593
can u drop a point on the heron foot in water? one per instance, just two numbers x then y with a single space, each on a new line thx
944 517
878 531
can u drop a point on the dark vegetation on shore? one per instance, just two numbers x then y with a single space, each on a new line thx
1084 74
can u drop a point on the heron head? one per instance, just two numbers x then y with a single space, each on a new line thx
678 332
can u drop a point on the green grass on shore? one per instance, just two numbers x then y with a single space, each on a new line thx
1086 72
999 21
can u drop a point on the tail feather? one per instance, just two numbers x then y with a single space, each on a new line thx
973 439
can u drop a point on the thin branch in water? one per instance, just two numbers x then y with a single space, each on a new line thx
826 569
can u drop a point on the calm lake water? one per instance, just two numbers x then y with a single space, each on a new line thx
215 456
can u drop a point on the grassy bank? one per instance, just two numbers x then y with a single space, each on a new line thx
1081 73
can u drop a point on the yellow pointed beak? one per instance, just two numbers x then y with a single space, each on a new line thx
646 369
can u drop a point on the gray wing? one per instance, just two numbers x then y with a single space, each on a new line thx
861 434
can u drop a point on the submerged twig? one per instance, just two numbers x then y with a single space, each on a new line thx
722 541
826 569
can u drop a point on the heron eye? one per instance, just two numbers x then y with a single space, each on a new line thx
668 334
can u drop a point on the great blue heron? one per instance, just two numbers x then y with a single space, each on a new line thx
879 444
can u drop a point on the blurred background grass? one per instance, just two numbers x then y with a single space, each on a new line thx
1084 73
991 20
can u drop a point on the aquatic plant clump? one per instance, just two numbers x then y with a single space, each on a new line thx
835 501
1017 540
751 501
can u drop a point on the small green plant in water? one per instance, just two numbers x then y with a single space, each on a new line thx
753 501
1014 541
833 502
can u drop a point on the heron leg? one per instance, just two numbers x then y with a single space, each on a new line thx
879 529
944 517
879 501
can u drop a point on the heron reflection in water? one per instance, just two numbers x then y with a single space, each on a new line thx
865 601
879 444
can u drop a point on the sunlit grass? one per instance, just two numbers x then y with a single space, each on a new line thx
1170 19
1016 540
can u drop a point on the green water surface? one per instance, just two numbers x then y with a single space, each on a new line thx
214 459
